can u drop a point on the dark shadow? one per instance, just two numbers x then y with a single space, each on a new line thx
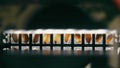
62 16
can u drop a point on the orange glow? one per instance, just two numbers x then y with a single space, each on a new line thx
57 38
67 37
46 39
77 38
109 38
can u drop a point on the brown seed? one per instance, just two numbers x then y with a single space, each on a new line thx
99 37
67 37
15 37
36 38
25 38
88 38
109 38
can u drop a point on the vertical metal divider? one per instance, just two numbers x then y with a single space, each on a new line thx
62 39
72 44
104 44
20 40
51 44
30 43
93 44
41 43
83 42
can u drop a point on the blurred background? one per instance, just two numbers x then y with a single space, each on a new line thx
34 14
15 14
